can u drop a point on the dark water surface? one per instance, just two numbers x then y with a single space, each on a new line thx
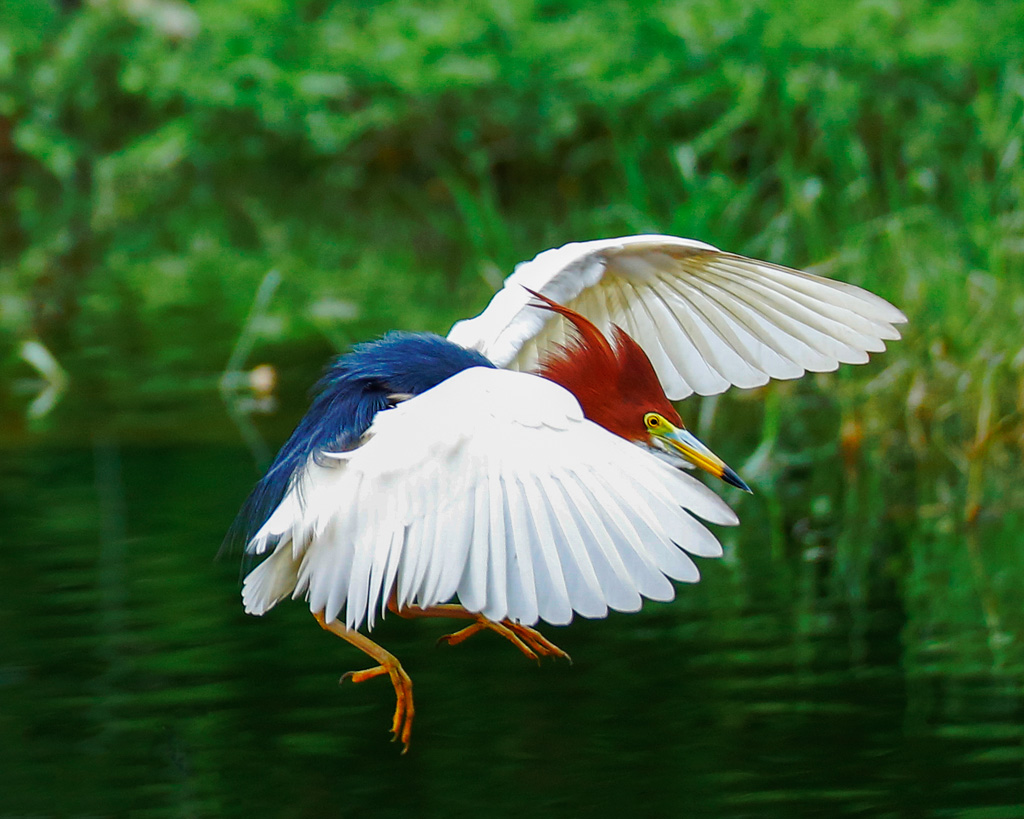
860 677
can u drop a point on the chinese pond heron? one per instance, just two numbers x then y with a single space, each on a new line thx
531 465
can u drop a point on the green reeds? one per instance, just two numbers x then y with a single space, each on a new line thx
401 158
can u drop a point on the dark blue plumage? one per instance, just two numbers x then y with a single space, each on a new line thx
355 388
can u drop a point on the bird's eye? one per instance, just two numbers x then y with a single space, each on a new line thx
652 420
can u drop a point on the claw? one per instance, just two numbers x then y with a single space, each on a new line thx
363 676
530 642
541 644
401 723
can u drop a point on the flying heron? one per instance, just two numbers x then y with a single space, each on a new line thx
531 465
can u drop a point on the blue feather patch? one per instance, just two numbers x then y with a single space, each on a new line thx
354 389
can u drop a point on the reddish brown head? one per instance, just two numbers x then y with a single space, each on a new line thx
615 383
617 388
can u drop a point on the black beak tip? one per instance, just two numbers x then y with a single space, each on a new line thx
730 477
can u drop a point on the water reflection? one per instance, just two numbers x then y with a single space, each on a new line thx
132 684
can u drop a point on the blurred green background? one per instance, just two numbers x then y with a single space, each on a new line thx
191 190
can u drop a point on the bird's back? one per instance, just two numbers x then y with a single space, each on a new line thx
355 387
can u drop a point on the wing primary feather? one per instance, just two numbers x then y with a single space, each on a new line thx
688 361
519 549
676 488
680 526
584 589
552 596
421 526
496 602
839 337
359 575
270 582
712 373
646 577
332 585
390 538
616 300
557 331
826 352
426 552
379 541
776 338
447 555
398 534
722 356
762 355
598 308
649 336
668 555
818 297
766 343
472 588
857 299
744 315
458 539
615 580
755 369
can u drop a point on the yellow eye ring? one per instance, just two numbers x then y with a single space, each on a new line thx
653 420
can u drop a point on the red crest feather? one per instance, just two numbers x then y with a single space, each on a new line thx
615 383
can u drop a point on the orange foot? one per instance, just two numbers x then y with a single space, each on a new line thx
529 641
401 724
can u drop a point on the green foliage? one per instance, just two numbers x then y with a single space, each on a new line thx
394 160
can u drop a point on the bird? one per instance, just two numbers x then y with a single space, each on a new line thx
532 466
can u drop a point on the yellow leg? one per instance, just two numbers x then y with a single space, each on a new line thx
529 641
401 725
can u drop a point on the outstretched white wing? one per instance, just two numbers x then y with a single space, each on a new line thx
707 319
493 488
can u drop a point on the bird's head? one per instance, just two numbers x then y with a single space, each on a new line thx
618 389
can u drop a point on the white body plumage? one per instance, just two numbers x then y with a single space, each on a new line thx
494 489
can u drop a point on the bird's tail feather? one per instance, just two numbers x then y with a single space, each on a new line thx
271 581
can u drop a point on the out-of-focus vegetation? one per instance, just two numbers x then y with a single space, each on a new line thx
189 189
392 161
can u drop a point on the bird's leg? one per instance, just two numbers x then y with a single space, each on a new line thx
401 725
529 641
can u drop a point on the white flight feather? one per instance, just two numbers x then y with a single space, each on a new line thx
707 319
513 503
492 489
552 593
583 588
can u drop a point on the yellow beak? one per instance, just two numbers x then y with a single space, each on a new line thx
687 446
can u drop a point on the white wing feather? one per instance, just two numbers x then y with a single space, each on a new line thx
491 488
707 319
